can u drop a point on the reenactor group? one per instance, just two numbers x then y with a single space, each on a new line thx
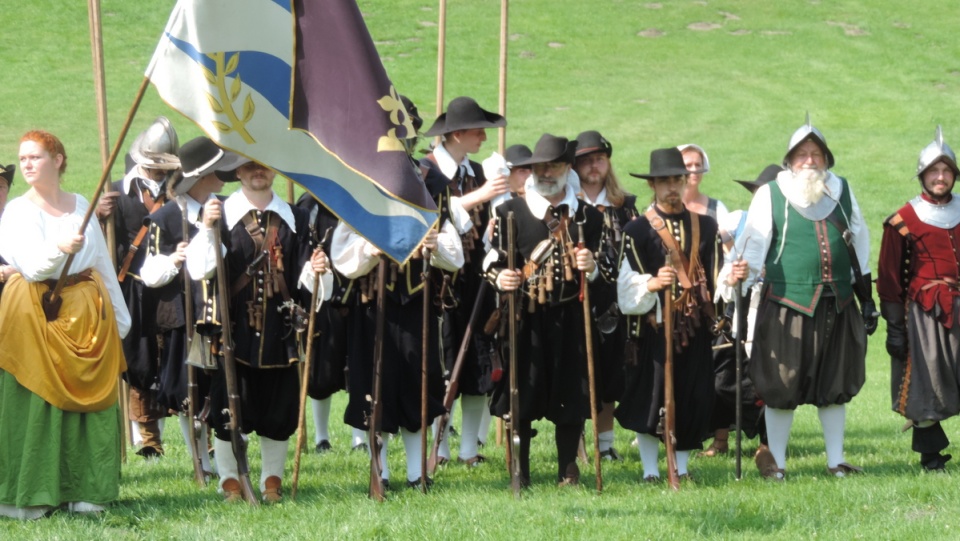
545 290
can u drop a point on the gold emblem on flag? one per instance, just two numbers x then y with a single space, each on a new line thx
392 104
222 104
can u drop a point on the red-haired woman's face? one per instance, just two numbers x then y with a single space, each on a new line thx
36 163
50 143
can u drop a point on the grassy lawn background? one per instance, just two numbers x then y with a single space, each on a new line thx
736 77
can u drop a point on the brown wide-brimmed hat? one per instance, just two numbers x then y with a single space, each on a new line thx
6 172
769 174
551 148
591 141
464 113
665 162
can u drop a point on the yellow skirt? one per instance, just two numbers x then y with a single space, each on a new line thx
72 362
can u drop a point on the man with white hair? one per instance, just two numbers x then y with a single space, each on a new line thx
551 340
917 285
806 233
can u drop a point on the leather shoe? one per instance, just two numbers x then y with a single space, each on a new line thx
766 464
232 491
324 446
611 455
272 492
571 477
934 461
416 483
472 462
843 469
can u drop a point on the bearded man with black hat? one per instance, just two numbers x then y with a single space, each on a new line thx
600 187
919 296
668 251
806 234
203 164
268 252
463 189
140 192
551 341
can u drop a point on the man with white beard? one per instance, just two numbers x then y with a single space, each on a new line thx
551 342
810 342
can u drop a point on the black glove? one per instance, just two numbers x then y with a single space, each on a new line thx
894 314
870 316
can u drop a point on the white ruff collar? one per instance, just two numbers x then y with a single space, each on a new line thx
942 216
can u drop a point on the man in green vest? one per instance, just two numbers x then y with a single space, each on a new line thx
806 237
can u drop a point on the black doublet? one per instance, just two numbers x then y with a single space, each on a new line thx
551 346
640 406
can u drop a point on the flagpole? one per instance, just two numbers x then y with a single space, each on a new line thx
100 89
441 59
502 131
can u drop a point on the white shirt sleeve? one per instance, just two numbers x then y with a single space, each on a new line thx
351 254
201 259
754 243
158 270
449 253
326 281
861 235
632 294
459 216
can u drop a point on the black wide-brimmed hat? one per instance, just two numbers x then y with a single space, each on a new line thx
769 174
6 172
516 154
464 113
201 156
665 162
591 141
551 148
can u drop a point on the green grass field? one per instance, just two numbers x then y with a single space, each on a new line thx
736 77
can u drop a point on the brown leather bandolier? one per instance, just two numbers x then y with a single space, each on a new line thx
695 296
271 257
135 245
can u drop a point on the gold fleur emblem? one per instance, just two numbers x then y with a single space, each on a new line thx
392 105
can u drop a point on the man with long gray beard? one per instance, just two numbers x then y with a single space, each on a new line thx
805 231
551 342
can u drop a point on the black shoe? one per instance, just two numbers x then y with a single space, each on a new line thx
480 444
416 483
150 452
934 461
386 484
360 447
611 454
324 446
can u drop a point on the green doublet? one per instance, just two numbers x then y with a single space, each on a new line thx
813 256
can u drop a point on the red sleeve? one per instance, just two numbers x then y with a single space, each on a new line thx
893 246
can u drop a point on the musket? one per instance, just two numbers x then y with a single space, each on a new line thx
305 380
669 407
738 386
376 406
424 367
193 390
591 374
230 372
514 389
453 386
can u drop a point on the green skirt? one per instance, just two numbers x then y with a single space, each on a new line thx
49 456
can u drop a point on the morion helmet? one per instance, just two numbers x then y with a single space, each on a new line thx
807 131
936 151
158 139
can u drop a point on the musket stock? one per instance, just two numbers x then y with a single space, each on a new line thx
193 390
591 373
376 407
670 422
514 388
230 372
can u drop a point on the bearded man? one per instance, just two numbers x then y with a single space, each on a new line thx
919 295
806 231
600 187
551 340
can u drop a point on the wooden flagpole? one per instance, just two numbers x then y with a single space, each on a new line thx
502 131
441 58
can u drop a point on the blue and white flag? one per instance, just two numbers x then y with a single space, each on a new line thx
297 86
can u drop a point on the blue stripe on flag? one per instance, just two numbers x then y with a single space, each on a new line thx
392 234
265 73
285 4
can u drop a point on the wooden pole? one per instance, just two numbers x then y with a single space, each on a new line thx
502 105
304 384
441 58
669 406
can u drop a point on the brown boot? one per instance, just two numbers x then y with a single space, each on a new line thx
572 476
272 492
232 492
720 446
